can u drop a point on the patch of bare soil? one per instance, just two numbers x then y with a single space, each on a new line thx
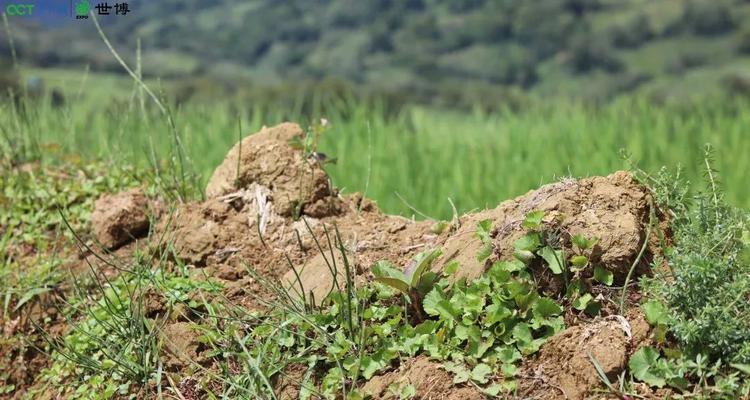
20 357
429 379
564 368
248 223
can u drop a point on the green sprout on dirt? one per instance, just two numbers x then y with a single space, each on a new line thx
414 283
308 144
546 244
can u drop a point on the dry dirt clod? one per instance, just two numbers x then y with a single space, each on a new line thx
563 369
267 159
119 218
181 344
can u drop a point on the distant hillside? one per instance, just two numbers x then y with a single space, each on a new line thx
585 48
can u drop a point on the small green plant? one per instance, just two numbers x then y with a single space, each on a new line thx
698 305
402 391
697 376
705 292
479 330
308 143
483 233
539 243
413 283
33 239
113 346
311 139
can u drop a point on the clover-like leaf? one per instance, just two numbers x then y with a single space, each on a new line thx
436 305
530 241
582 302
480 372
655 312
495 313
545 307
533 220
509 355
603 275
485 251
450 268
522 333
584 244
483 229
643 366
459 371
579 262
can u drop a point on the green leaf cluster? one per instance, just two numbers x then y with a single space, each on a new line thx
480 330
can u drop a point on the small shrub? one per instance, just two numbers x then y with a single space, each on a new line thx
707 287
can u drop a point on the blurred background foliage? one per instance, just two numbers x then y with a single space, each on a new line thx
456 53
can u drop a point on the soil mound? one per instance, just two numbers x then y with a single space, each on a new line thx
296 184
613 209
564 368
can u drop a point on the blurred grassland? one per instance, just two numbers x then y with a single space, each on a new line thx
418 155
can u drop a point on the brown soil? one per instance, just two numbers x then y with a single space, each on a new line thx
563 369
267 159
247 223
429 379
614 209
120 218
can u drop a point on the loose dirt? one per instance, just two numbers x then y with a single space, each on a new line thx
564 368
429 379
614 209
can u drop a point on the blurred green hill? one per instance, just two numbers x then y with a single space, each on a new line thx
436 51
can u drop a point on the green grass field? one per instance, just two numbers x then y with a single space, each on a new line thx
418 156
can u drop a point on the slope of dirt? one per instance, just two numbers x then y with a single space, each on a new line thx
428 379
614 209
564 367
248 223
